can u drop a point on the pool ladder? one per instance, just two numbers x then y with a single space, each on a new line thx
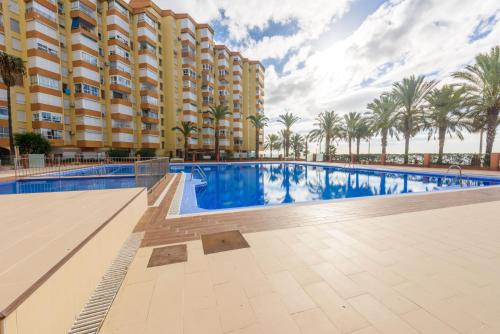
460 176
200 171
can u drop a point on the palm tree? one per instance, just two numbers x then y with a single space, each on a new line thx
282 134
362 131
259 121
410 95
12 69
351 125
186 129
271 142
218 112
382 118
297 145
288 120
327 128
446 114
482 81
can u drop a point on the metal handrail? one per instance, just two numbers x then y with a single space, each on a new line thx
460 177
200 171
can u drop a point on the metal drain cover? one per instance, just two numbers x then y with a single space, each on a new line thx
167 255
223 241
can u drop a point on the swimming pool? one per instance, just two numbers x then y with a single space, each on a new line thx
85 178
65 184
239 185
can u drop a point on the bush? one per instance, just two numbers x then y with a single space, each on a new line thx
113 153
147 152
32 143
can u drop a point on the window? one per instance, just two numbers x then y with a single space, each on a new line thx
4 113
20 98
118 80
86 89
88 58
50 134
4 132
14 25
16 44
40 80
13 6
46 48
44 116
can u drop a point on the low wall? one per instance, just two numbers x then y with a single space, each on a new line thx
52 304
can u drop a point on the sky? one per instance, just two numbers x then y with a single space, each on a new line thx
341 54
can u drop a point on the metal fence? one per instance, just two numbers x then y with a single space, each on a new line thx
58 167
148 173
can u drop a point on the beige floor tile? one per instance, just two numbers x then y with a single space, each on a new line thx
341 283
272 314
452 316
292 294
198 291
367 330
235 316
380 316
383 293
339 311
252 329
204 321
425 323
305 275
314 321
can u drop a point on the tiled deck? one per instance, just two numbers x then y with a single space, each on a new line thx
400 264
410 270
163 231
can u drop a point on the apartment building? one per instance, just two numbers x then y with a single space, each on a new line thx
112 74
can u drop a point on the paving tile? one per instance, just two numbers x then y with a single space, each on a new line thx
204 321
223 241
427 324
314 321
380 316
338 310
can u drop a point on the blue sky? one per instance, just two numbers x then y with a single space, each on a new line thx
339 55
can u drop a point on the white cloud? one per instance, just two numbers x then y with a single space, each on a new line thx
401 38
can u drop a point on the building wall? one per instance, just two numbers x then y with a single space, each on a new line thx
107 74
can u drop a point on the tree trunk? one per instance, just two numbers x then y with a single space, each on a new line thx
327 148
358 142
407 147
481 135
217 157
186 148
11 130
384 142
257 143
271 148
350 151
287 144
442 137
491 132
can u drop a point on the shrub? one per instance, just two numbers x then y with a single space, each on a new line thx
32 143
114 153
147 152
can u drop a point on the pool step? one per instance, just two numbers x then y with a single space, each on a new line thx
92 316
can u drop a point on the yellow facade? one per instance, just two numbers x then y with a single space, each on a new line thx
111 74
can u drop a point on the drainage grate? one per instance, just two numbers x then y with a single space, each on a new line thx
94 312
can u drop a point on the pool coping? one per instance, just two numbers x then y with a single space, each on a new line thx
178 200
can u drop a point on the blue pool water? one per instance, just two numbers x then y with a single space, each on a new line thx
243 185
69 184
